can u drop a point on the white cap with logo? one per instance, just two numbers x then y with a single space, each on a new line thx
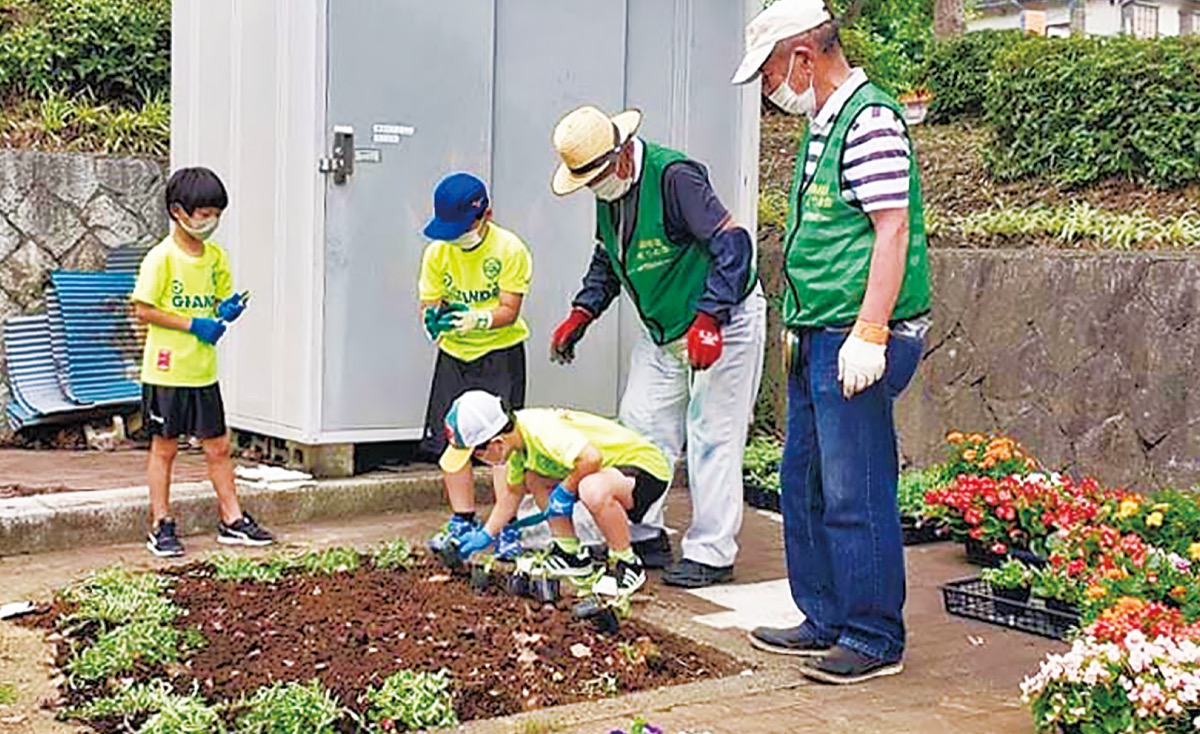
475 418
783 19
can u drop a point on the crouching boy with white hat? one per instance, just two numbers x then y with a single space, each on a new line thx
560 456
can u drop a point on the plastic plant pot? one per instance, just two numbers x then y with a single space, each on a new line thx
517 584
450 556
603 617
545 590
1010 601
481 578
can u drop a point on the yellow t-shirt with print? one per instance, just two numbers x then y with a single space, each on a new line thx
450 274
173 281
554 439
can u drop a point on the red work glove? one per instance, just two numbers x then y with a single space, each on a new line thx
704 341
568 333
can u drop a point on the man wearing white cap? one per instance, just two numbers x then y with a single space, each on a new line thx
664 237
855 313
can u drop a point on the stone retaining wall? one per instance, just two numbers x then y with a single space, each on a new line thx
67 210
1089 359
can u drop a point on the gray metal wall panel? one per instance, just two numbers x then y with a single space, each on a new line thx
402 62
551 58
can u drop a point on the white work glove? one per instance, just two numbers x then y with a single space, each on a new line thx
473 321
860 365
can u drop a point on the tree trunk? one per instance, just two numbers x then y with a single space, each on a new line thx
949 19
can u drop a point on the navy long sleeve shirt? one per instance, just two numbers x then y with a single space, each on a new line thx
692 211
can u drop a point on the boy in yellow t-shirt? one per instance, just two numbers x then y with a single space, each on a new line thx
561 456
184 292
474 276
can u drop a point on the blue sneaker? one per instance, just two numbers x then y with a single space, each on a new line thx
455 529
508 545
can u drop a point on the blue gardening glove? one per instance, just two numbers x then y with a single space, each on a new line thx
232 307
562 502
473 542
208 331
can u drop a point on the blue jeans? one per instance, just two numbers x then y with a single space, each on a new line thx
845 554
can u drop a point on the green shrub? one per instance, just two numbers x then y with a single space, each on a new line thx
1079 110
412 700
957 72
118 49
125 648
290 708
394 554
114 596
169 712
761 460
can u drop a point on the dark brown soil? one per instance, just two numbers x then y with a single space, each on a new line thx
956 183
505 654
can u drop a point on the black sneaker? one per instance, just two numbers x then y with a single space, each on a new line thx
695 575
243 531
629 576
843 666
163 542
561 563
788 641
655 552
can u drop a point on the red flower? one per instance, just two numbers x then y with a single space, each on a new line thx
1006 512
1076 567
999 548
973 516
976 533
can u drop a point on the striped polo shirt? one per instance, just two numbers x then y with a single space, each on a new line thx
875 160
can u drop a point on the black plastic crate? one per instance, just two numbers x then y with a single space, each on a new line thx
973 598
919 532
763 499
979 554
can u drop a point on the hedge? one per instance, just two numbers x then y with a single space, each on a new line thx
1079 110
957 71
118 50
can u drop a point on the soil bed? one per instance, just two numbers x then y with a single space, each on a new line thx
504 654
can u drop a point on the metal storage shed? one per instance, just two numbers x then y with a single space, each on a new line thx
331 350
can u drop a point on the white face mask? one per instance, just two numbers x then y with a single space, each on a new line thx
611 187
790 102
201 229
467 241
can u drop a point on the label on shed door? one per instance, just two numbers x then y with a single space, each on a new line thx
368 155
401 130
385 138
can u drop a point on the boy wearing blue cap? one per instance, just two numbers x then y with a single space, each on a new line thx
474 275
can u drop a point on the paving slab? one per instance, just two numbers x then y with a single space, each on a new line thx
960 676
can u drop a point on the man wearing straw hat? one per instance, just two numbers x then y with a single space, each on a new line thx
856 313
664 237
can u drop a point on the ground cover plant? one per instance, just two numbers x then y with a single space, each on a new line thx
336 640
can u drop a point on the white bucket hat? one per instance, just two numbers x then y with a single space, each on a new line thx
783 19
587 140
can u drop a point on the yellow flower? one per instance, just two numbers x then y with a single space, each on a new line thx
969 454
1095 591
977 438
1129 506
954 437
1154 520
1194 551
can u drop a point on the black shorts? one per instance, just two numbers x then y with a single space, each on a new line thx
501 373
647 489
172 412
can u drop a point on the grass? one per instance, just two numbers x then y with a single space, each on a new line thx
1080 221
8 694
124 649
772 208
290 708
58 121
394 554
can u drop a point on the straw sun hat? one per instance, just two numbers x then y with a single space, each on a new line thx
587 140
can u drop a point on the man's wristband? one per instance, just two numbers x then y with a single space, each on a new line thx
870 333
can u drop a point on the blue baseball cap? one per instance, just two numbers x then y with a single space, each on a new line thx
458 201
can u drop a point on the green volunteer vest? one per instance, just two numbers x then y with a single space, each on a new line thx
827 250
664 278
